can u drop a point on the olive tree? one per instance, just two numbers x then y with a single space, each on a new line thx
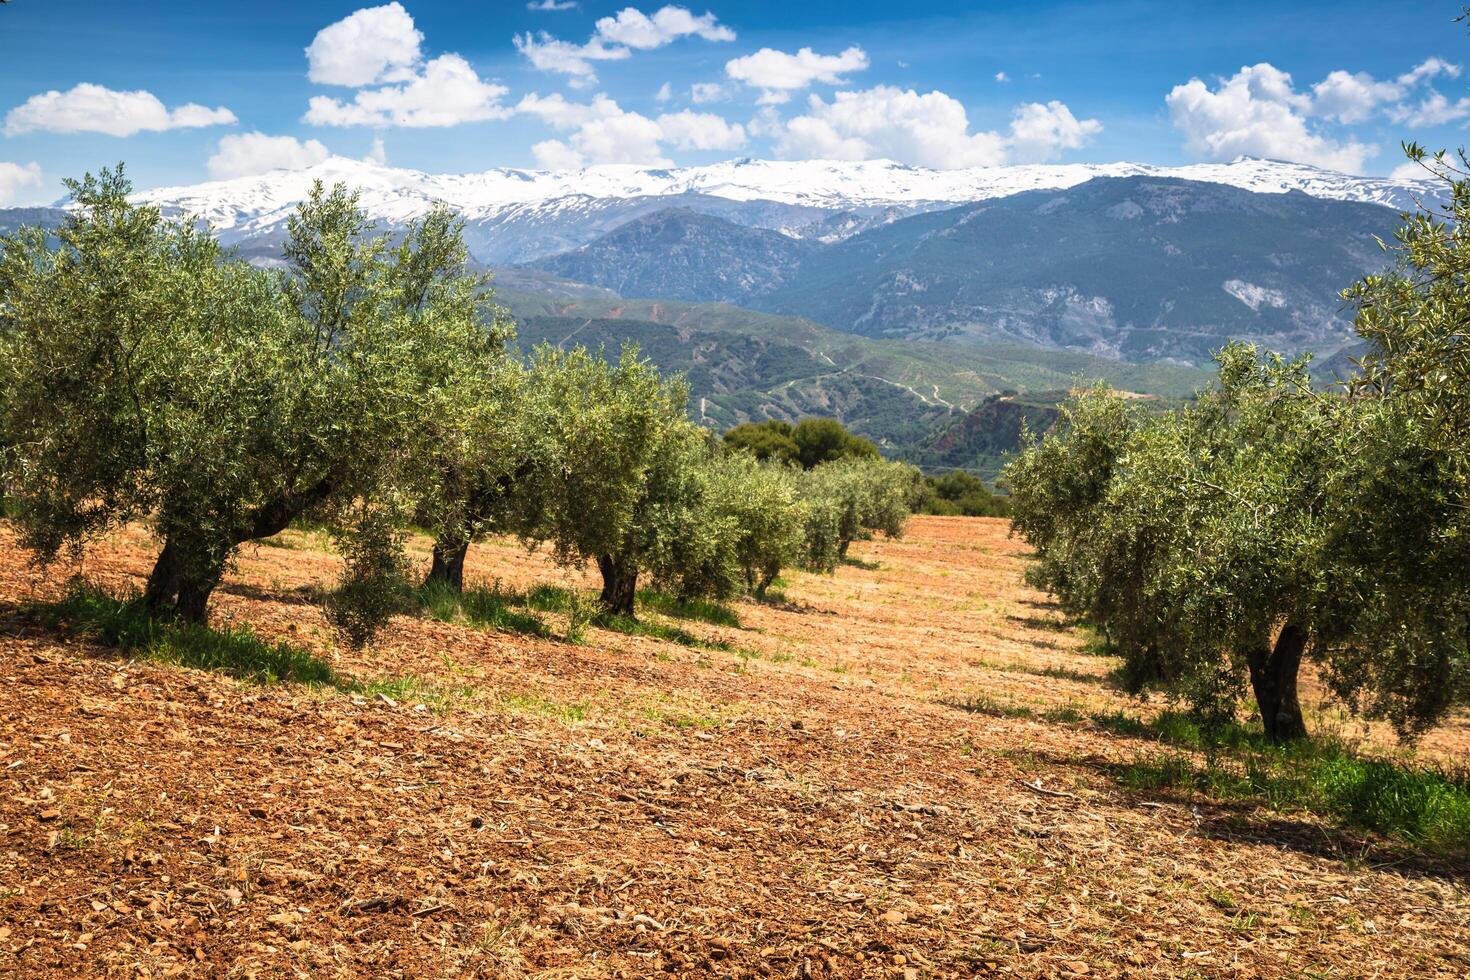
853 498
150 374
761 504
1404 490
613 476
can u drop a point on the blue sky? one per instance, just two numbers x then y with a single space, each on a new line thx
186 91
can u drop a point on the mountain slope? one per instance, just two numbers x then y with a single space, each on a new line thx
1140 268
743 365
681 254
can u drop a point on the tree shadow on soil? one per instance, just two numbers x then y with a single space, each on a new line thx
301 595
1049 623
1248 821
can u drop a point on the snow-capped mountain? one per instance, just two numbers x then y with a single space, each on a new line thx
520 215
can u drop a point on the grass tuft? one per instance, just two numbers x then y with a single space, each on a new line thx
1421 805
490 607
90 611
700 609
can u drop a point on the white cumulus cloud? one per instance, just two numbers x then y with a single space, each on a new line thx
1258 112
928 130
1351 97
375 44
15 179
379 46
550 54
779 73
243 154
615 38
1042 132
701 93
88 108
701 131
601 131
1428 69
448 92
552 5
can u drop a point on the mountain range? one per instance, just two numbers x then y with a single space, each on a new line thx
1135 268
517 216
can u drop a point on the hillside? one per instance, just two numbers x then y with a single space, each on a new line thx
682 254
907 770
981 439
1138 268
743 365
1133 268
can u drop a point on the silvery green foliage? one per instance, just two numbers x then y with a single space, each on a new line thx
612 475
1403 491
149 374
851 499
1267 514
1190 538
760 517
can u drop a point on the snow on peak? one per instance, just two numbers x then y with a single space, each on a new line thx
245 204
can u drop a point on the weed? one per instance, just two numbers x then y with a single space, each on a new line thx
123 622
87 610
536 704
1419 805
1066 714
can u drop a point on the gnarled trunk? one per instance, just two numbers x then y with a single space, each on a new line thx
768 576
1274 681
184 575
619 584
448 563
181 583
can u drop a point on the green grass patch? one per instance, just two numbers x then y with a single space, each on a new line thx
1067 714
536 704
700 609
549 598
87 610
485 606
1421 805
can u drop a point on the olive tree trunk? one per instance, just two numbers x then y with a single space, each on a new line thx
181 583
1274 680
619 584
187 572
447 567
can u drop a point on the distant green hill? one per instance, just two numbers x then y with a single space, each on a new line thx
745 366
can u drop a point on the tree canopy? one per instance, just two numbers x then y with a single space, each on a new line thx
808 443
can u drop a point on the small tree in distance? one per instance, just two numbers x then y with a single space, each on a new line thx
610 478
808 443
